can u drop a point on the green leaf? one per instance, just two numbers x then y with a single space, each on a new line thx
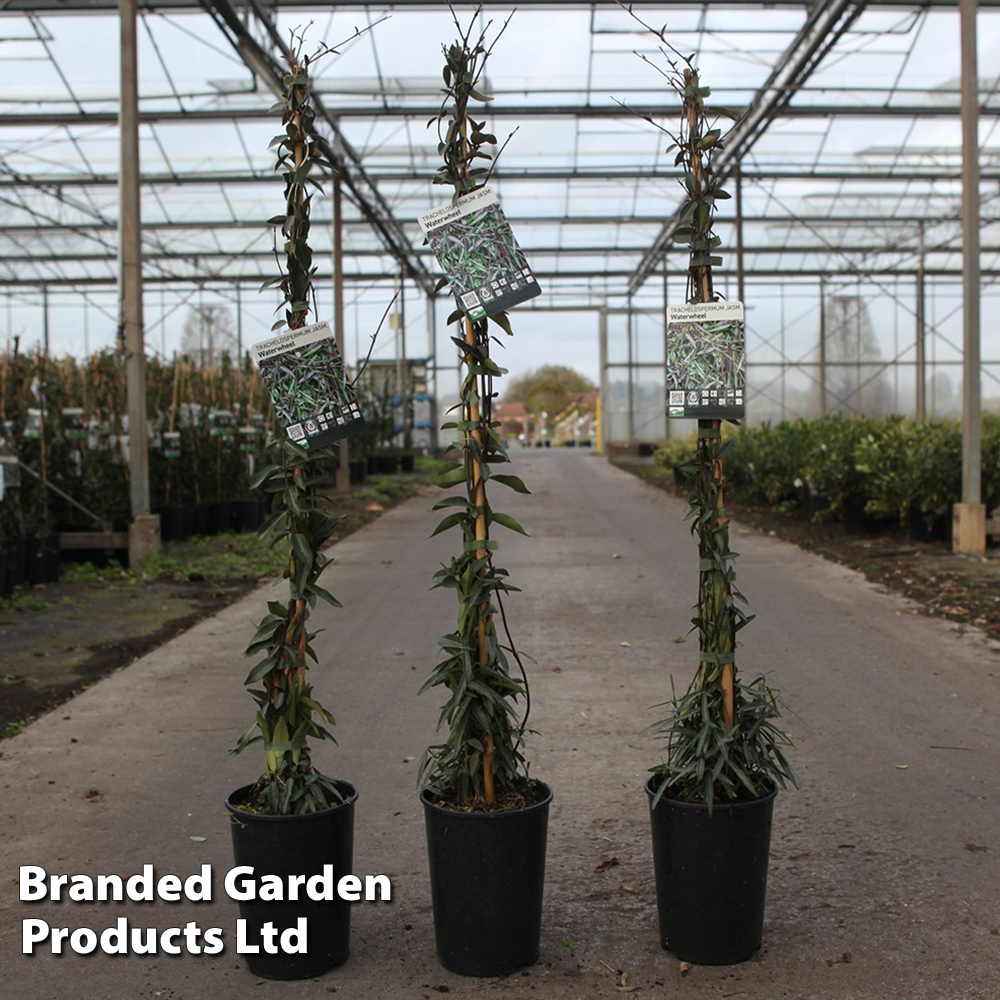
514 482
508 522
451 478
503 322
449 522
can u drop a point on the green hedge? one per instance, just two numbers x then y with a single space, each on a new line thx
897 467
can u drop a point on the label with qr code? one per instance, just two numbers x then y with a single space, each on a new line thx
473 242
307 380
706 361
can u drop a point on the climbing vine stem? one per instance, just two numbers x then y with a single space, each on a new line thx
721 736
481 760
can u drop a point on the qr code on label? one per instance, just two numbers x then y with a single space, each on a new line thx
470 299
296 433
676 398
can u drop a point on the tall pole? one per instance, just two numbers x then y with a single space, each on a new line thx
45 319
666 312
343 455
740 272
970 516
144 536
130 260
401 368
432 372
822 347
921 304
602 430
239 328
631 373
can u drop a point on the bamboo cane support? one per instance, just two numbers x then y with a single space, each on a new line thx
704 288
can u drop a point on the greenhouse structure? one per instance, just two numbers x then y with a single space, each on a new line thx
182 181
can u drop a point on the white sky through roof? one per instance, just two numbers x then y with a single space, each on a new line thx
57 169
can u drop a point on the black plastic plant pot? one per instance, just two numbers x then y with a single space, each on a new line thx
487 878
53 559
14 551
34 562
200 521
296 845
246 515
220 517
936 529
407 463
187 522
171 524
711 876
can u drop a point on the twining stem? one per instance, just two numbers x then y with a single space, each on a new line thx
712 428
474 418
298 320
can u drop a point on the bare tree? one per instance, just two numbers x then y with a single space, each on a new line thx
209 332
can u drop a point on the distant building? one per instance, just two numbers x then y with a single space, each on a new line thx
515 421
577 422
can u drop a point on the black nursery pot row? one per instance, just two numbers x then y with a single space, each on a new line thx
29 561
487 874
182 521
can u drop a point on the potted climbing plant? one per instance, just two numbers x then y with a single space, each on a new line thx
293 819
486 820
711 800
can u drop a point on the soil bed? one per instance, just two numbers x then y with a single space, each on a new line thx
60 638
963 589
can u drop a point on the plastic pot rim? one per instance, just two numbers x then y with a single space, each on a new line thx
703 806
235 811
425 794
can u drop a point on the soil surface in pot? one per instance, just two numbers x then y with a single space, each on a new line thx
742 796
520 796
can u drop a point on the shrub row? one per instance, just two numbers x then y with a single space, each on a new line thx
896 470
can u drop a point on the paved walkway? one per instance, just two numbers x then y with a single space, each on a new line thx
895 866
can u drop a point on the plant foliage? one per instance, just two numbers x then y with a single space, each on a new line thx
301 520
482 755
721 738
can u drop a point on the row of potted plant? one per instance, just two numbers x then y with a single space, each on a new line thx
710 800
869 472
65 419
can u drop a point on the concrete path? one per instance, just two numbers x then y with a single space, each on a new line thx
888 854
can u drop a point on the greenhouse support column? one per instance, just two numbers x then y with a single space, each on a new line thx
667 433
45 318
432 431
239 328
631 373
969 530
602 430
144 531
740 271
921 304
401 369
343 452
822 348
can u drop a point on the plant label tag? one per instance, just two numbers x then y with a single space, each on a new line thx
74 425
475 246
306 378
221 423
706 361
